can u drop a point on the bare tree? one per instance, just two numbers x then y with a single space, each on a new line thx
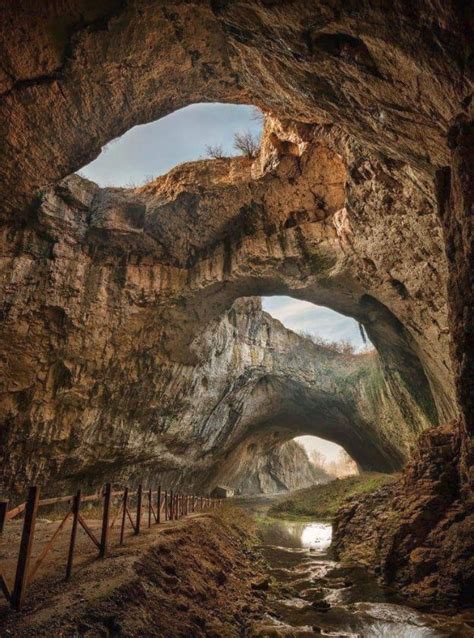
318 459
214 151
247 144
258 115
343 346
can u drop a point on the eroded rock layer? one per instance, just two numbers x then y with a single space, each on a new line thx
416 533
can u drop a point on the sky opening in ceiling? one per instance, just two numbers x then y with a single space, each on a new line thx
149 150
305 317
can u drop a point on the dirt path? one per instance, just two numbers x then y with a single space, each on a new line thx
191 577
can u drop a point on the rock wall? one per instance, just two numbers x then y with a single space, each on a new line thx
119 349
185 424
264 465
417 533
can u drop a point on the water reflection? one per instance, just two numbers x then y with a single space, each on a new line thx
314 595
316 536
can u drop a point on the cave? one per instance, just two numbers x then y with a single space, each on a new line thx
133 340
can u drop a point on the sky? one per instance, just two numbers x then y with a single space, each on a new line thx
153 149
327 448
303 316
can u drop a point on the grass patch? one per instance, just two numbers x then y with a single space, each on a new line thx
322 501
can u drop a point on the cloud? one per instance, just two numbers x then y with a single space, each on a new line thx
303 316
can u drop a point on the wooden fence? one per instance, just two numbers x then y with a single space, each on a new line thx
158 506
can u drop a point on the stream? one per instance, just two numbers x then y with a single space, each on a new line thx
311 594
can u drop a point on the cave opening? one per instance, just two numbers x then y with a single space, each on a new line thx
195 132
328 457
319 323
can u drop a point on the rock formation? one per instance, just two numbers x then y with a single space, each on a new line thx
128 358
119 346
416 533
267 466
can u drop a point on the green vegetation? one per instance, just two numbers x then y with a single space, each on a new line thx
322 501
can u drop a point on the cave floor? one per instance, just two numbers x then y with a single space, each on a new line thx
175 568
204 576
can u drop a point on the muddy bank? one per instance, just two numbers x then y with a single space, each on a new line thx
193 578
416 534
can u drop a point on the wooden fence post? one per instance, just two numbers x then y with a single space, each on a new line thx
149 507
105 520
158 502
139 510
3 514
76 504
24 555
124 514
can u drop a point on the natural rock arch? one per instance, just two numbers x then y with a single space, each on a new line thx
147 285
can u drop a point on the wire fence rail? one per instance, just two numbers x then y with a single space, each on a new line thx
156 505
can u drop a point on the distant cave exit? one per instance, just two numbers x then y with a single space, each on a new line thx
328 457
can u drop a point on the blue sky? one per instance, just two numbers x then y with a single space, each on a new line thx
302 316
153 149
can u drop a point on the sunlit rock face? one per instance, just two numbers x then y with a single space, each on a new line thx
361 201
135 414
